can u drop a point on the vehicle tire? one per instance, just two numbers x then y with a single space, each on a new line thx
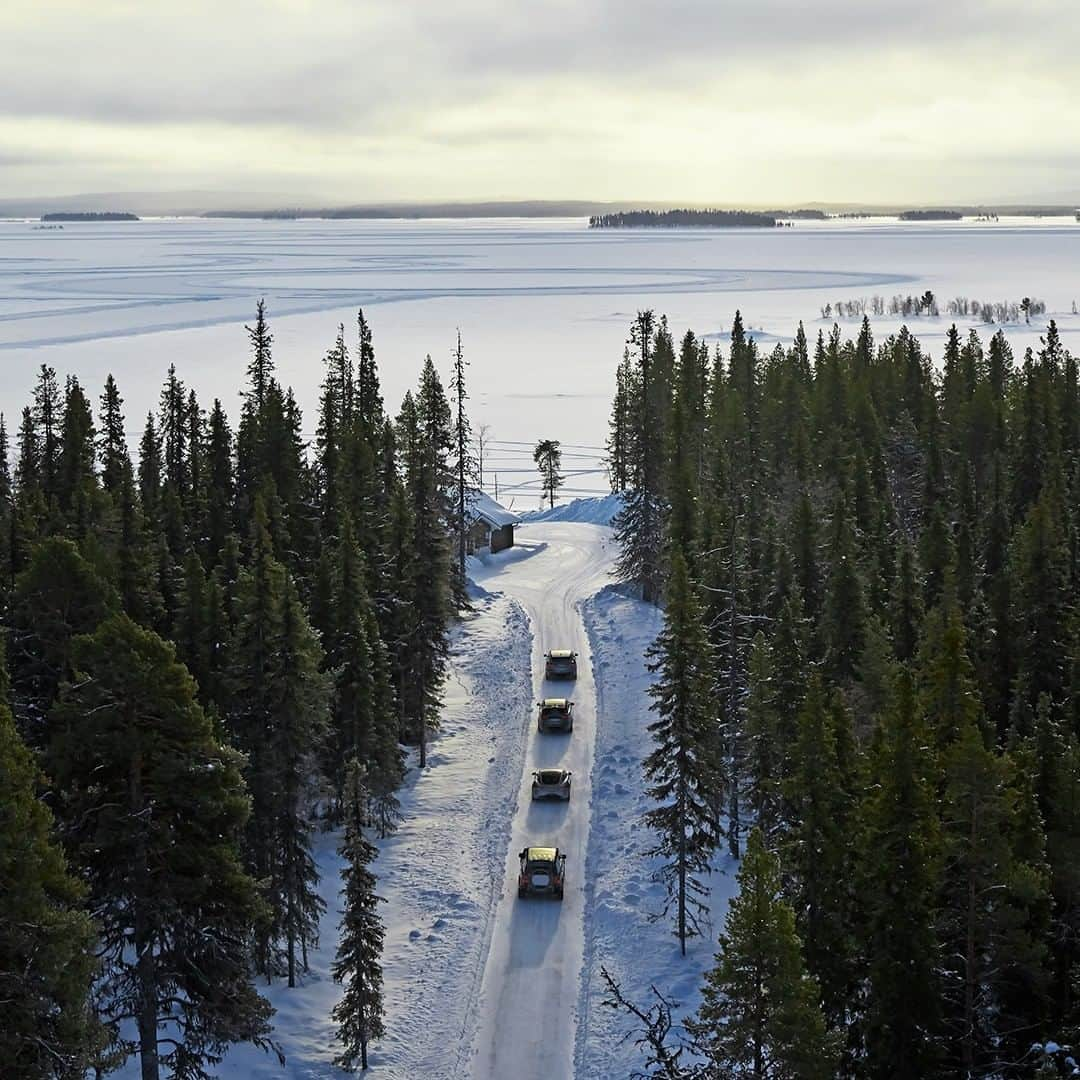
558 894
521 893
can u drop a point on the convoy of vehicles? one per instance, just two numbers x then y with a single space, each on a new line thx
543 869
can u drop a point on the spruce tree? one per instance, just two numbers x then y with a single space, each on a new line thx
547 455
253 665
359 1013
153 806
899 885
760 1014
261 364
8 524
219 483
76 481
387 762
947 693
295 732
989 907
843 619
1057 788
639 525
47 941
57 597
136 580
681 768
619 426
150 476
818 846
765 750
47 413
1039 619
278 713
463 468
364 724
112 439
422 632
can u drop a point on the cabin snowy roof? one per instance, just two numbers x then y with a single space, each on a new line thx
484 508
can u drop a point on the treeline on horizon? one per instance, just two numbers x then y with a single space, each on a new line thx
867 685
89 215
212 650
676 219
930 215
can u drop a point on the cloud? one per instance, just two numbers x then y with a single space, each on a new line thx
593 98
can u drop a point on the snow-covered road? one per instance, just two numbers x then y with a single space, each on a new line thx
529 993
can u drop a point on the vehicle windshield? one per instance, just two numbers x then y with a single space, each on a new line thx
561 663
551 776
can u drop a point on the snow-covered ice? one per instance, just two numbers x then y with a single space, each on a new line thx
544 306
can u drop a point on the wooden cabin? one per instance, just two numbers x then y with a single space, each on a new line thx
491 526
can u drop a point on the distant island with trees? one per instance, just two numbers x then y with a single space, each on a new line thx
677 219
930 215
88 215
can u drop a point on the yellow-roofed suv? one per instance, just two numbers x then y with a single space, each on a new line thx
542 873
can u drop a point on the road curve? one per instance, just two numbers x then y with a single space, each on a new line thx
529 992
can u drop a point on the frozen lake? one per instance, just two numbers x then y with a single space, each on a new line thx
543 306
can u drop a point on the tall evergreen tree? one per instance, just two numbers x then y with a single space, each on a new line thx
900 886
154 806
463 468
76 481
47 416
47 941
680 768
991 903
112 440
359 1013
219 483
547 456
639 525
57 597
760 1014
296 730
261 364
425 567
819 849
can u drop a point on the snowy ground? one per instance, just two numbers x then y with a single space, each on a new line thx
543 306
592 511
621 895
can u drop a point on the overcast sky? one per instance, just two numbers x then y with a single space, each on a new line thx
725 101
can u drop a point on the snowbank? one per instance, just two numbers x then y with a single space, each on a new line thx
620 893
597 510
